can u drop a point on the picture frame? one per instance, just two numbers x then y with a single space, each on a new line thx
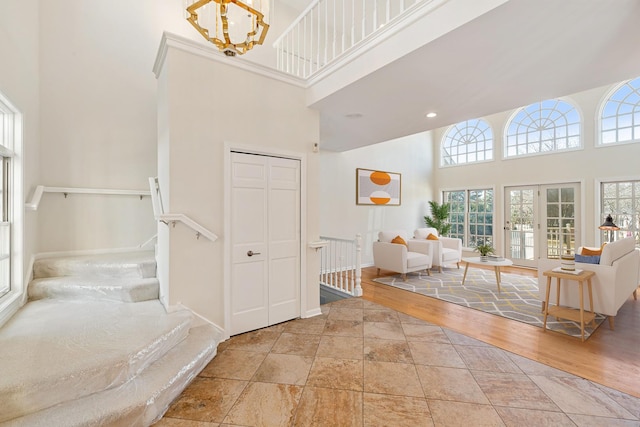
378 188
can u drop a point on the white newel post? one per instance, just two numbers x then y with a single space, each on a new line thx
358 290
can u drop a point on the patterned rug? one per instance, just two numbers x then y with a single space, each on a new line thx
518 299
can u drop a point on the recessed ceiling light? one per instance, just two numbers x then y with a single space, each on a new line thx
353 115
431 115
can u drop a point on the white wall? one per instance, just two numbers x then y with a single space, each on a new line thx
340 216
209 104
98 120
587 166
19 82
98 110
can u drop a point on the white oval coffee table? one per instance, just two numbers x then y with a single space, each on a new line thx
495 264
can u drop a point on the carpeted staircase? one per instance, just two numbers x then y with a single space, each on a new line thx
94 346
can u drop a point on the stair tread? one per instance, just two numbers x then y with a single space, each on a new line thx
56 350
141 401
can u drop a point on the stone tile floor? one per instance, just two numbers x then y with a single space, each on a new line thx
362 364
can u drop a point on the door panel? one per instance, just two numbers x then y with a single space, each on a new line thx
284 240
521 227
249 275
265 236
561 204
541 221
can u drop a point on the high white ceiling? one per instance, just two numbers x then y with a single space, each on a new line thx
521 52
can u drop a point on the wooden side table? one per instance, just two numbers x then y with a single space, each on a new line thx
567 312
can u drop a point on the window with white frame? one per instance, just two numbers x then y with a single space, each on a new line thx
621 200
467 142
6 155
620 114
471 215
543 127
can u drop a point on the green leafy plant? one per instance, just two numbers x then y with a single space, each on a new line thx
439 217
484 249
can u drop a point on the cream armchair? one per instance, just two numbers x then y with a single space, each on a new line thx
403 259
444 251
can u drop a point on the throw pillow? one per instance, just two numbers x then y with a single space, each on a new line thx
592 252
432 236
399 240
588 259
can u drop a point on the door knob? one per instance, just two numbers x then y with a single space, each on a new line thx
251 253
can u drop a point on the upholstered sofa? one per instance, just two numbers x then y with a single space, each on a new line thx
398 257
444 251
616 279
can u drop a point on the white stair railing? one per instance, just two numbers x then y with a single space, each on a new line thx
34 203
173 218
328 29
340 265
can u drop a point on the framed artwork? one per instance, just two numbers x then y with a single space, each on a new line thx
378 187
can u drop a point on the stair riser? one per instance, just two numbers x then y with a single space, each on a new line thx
124 290
140 402
61 267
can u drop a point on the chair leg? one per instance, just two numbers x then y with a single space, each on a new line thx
611 322
439 269
635 295
458 264
378 272
404 277
428 272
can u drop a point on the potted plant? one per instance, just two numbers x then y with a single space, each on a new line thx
485 250
439 217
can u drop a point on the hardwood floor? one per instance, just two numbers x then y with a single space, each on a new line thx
608 357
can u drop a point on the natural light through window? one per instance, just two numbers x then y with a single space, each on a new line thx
467 142
620 115
547 126
6 134
471 215
621 200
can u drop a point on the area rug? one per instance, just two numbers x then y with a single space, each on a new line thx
518 299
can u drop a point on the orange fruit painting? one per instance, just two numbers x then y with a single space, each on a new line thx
380 178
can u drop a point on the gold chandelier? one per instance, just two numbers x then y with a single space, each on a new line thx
234 26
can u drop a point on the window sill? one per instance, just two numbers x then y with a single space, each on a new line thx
9 305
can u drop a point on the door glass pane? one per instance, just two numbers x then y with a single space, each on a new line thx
522 224
560 221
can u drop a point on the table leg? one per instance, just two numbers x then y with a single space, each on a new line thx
497 270
593 322
546 305
580 283
557 292
465 273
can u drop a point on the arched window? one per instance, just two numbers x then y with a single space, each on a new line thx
467 142
543 127
620 114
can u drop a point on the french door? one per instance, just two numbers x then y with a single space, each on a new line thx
541 222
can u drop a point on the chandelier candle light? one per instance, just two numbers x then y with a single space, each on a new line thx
234 26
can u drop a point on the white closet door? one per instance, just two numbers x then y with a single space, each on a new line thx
284 240
265 241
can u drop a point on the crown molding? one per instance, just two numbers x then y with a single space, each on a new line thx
170 40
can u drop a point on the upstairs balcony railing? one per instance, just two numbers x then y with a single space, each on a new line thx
328 29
